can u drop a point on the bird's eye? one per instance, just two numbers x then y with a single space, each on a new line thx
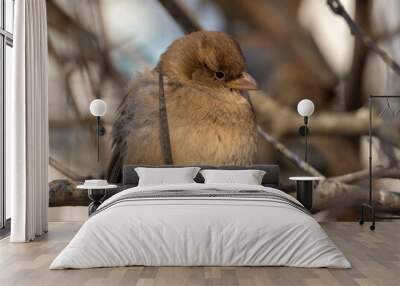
219 75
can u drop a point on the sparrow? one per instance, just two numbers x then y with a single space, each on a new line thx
210 118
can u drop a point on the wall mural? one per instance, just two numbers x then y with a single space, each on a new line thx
111 50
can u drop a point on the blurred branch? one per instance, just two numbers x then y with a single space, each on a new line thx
66 77
88 57
277 23
337 8
61 22
58 19
387 35
89 46
377 172
107 65
180 14
330 191
64 193
65 171
292 157
73 122
282 121
353 92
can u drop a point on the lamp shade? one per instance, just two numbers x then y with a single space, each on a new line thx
98 107
305 107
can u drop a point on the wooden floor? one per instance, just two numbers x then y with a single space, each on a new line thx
375 257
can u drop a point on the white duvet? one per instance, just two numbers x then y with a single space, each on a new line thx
200 231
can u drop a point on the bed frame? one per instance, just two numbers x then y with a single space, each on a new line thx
271 178
131 179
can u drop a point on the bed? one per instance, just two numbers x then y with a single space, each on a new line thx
198 224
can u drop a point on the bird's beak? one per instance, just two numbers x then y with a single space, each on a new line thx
244 82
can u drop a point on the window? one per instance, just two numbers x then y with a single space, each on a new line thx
6 44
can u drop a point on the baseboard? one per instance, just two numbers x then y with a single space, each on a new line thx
61 214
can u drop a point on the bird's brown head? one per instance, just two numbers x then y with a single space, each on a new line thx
207 59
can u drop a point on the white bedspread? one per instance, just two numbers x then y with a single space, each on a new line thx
200 231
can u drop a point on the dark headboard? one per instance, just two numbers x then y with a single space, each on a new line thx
271 177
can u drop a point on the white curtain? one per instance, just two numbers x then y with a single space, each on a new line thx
27 123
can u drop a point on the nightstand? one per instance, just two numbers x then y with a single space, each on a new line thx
304 189
96 194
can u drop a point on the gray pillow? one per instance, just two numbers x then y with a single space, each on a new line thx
247 177
162 176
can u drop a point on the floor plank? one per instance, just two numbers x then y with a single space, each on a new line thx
375 257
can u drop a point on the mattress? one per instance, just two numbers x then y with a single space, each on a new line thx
201 225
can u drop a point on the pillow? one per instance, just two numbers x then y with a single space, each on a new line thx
162 176
248 177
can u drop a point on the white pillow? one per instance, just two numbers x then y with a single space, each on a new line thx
247 177
162 176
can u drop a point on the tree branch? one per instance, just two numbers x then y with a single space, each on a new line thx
66 78
377 172
66 171
353 91
165 138
330 191
292 157
282 121
387 35
181 16
276 22
337 8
